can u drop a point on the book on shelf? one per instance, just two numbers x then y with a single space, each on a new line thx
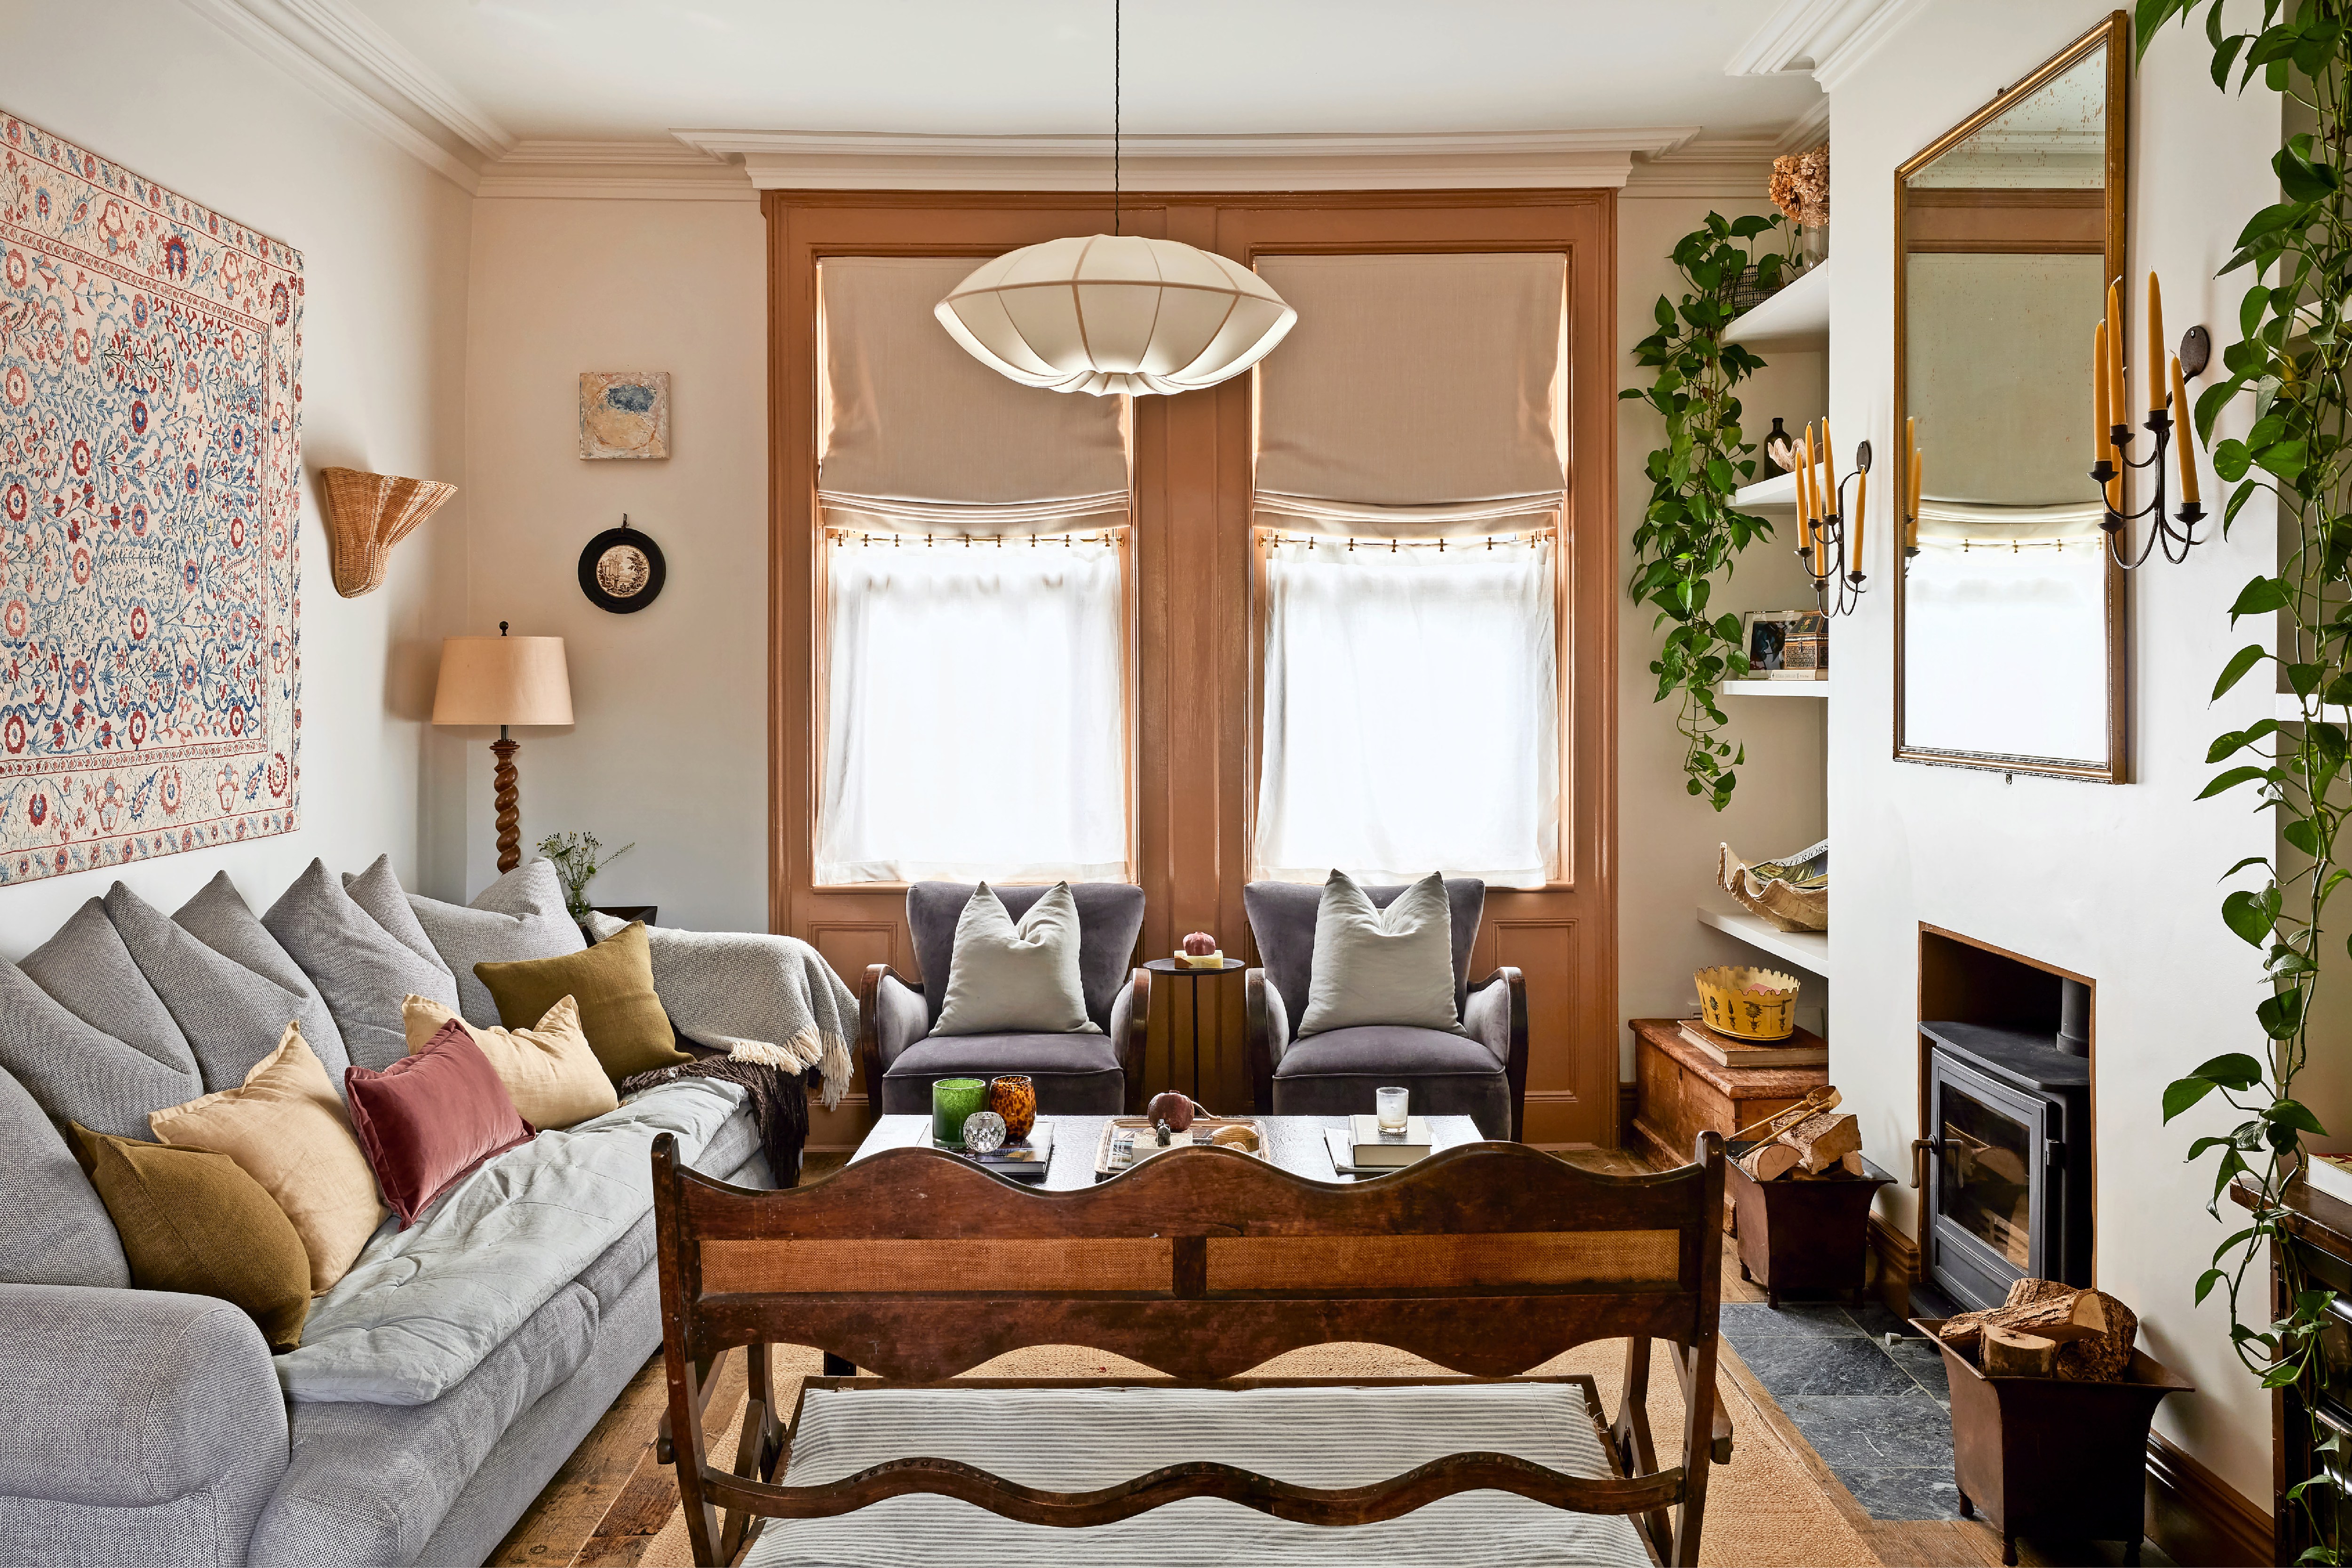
2329 1174
1788 675
1371 1146
1020 1161
1803 1050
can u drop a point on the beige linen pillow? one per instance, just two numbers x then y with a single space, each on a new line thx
286 1127
551 1076
1373 965
1005 979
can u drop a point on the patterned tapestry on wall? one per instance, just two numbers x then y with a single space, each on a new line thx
150 370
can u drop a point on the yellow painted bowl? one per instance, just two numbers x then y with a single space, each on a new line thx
1747 1004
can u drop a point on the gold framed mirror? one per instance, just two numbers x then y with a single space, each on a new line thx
2008 605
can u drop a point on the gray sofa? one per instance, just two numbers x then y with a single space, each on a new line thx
1480 1072
1081 1074
142 1426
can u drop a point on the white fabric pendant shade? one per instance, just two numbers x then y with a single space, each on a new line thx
1113 314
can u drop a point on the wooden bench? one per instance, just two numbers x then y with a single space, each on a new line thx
1488 1259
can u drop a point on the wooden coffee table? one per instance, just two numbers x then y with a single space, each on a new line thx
1296 1143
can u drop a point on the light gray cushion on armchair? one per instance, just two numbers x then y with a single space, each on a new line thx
1077 1074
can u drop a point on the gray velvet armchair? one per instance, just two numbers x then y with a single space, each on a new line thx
1077 1074
1481 1073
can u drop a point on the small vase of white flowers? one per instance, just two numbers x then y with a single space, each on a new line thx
578 857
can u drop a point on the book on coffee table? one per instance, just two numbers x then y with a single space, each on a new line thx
1371 1146
1802 1050
1020 1161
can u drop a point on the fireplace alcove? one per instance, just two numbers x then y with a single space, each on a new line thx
2004 1156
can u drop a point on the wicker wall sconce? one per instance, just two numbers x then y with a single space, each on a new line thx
367 514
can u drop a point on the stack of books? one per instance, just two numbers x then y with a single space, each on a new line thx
1361 1149
1021 1161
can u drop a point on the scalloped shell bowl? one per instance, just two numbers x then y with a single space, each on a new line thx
1747 1004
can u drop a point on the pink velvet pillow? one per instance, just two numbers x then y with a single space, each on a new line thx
430 1117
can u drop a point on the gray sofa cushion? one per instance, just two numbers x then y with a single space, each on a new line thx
73 1070
520 916
1110 917
377 890
1077 1075
53 1229
231 1016
369 1483
1282 919
219 917
360 969
1334 1074
86 967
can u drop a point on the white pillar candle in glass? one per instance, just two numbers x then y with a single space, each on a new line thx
1391 1102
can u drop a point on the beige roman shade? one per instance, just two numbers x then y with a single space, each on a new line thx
1418 395
914 436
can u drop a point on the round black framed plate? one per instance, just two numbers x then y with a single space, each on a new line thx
622 570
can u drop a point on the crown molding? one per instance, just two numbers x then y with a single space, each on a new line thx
1708 166
550 168
359 68
1475 160
1807 131
1829 38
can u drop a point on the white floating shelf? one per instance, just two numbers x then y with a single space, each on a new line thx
1807 949
1775 688
1779 490
2290 710
1798 317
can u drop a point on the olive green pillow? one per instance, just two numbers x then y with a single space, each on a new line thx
192 1220
613 983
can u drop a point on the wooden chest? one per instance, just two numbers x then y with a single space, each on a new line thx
1680 1091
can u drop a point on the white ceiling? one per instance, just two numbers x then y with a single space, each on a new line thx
637 69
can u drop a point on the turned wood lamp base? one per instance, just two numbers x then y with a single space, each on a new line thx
508 800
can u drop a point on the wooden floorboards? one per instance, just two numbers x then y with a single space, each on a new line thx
610 1498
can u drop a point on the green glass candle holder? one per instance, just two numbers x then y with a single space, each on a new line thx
952 1099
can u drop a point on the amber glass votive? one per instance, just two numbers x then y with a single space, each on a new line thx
952 1099
1015 1098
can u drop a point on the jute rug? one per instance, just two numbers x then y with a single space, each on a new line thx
1764 1510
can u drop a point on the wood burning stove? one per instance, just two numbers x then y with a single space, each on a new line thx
2009 1177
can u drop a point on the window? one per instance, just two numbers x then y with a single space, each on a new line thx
972 686
1409 480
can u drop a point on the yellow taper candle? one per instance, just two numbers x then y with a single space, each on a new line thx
2186 437
2116 396
1860 515
2101 425
2155 345
1829 497
1911 531
1805 497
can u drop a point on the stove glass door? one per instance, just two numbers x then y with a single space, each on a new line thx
1987 1175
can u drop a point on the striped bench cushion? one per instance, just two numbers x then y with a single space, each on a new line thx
1081 1439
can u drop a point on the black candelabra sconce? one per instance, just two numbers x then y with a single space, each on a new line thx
2174 530
1821 532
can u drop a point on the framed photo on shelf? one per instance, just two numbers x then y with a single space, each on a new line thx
1786 645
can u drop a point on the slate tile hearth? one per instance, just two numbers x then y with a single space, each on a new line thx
1876 1414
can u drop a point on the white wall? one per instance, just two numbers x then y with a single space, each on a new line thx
670 746
1668 839
161 92
2117 883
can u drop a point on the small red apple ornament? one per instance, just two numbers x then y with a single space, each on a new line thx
1200 945
1172 1108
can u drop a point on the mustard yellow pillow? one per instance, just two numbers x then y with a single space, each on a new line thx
551 1076
192 1220
286 1127
613 983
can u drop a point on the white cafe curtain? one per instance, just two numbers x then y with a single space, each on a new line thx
973 722
915 436
1411 714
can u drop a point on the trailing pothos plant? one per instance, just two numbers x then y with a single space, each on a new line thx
1691 529
2292 361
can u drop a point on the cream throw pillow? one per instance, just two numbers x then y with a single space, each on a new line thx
1005 979
1381 966
287 1129
551 1076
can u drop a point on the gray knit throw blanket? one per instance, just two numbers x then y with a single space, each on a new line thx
759 998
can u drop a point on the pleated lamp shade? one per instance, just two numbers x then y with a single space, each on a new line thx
1110 314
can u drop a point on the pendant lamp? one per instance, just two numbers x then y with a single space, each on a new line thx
1113 313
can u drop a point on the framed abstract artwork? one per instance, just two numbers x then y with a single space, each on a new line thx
625 413
151 407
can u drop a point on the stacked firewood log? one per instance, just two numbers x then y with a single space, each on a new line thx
2048 1329
1809 1139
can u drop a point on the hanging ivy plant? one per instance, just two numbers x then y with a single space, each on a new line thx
2292 361
1691 531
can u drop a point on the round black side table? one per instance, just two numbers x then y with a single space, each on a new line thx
1170 967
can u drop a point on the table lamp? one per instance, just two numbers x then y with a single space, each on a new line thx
503 680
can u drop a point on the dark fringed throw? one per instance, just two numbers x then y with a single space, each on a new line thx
779 1101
